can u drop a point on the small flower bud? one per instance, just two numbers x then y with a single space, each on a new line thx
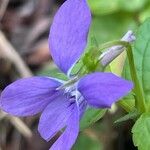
110 54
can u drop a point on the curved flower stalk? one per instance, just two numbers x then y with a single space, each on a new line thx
110 54
62 103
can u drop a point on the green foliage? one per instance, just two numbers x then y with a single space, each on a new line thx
91 116
144 14
101 7
141 52
111 27
141 132
131 115
87 143
132 5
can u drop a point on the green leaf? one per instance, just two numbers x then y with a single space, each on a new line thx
131 115
141 132
91 116
88 143
141 52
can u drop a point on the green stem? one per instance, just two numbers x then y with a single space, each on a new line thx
140 101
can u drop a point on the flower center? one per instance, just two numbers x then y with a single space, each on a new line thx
73 93
70 90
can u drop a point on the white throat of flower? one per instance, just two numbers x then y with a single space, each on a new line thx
70 89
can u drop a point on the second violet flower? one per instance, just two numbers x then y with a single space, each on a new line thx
62 108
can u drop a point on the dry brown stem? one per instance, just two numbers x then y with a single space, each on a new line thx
8 51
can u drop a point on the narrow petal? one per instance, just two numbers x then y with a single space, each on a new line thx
28 96
54 117
68 34
68 138
103 89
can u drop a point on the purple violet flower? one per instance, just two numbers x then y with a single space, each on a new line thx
63 103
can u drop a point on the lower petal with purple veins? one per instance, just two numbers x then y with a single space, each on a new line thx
68 138
55 117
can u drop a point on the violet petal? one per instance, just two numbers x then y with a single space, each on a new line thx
28 96
68 34
54 117
102 89
68 138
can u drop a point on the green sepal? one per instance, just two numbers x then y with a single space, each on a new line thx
90 60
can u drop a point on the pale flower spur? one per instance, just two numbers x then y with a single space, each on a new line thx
62 108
